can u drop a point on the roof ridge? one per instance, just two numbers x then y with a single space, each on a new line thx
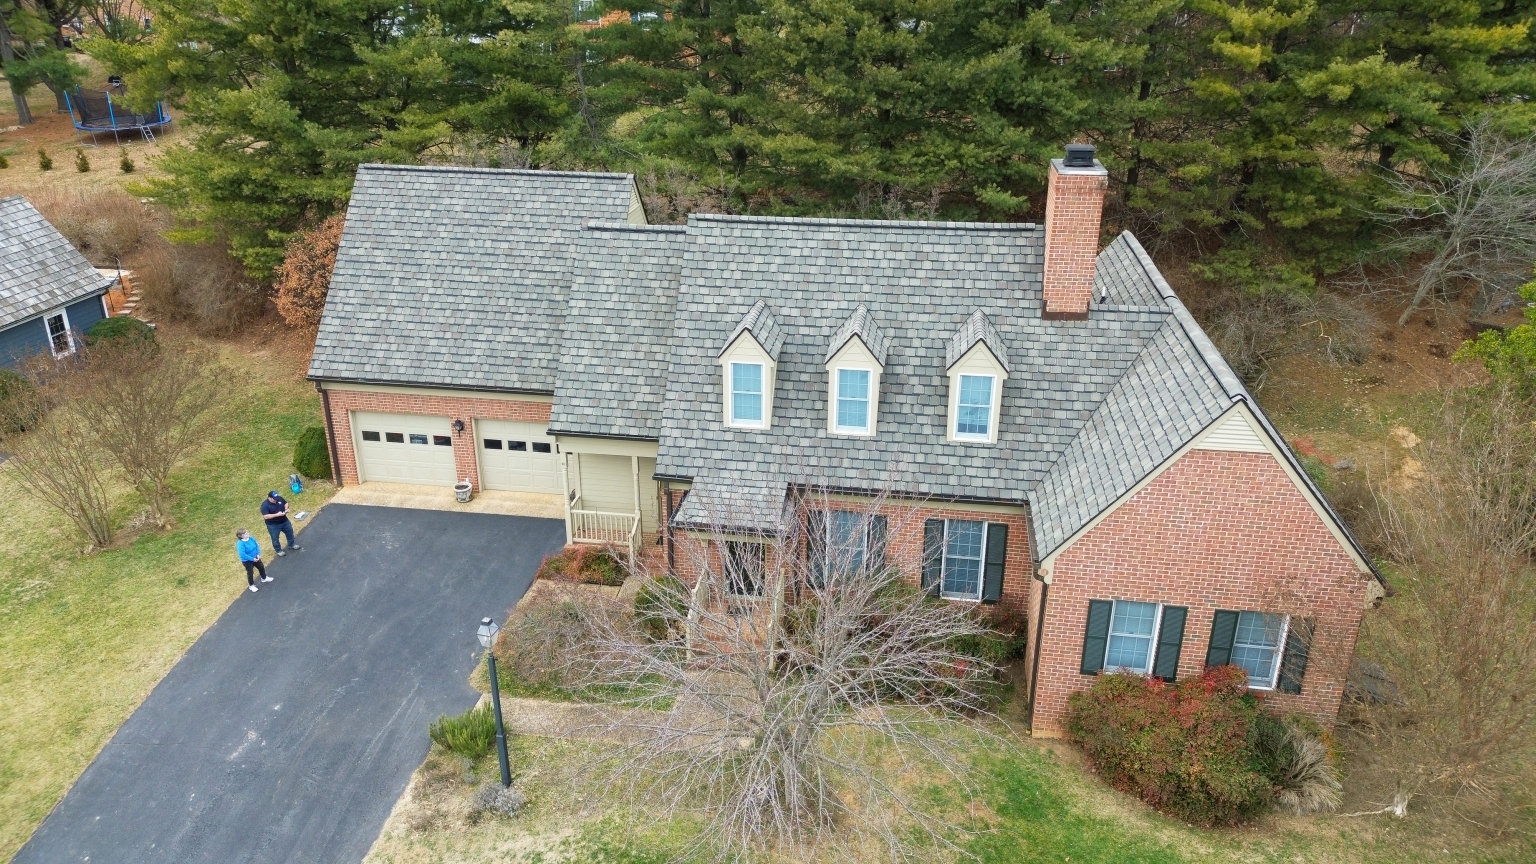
469 169
617 225
912 224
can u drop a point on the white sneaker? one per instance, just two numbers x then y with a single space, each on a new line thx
281 553
253 588
265 579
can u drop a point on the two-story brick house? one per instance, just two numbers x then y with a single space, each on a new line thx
1076 449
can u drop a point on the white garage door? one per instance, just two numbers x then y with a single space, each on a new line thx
404 448
518 457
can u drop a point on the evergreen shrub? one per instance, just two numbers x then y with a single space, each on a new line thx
82 164
44 161
119 327
589 565
471 734
659 603
310 455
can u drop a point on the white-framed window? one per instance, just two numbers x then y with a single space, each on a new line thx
60 341
746 395
973 412
1132 637
852 398
745 567
965 544
1256 647
845 542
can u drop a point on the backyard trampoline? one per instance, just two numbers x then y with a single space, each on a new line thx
96 112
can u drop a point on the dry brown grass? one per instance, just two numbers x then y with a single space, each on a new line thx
105 223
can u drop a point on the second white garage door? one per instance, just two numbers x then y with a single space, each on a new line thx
404 448
517 457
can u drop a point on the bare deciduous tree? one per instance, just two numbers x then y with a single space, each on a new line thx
818 690
57 459
1453 711
151 405
1475 217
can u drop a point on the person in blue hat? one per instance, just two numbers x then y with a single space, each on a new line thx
274 511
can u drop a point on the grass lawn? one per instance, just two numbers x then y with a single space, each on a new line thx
1038 805
84 639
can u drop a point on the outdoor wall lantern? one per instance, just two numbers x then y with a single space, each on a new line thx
458 426
487 636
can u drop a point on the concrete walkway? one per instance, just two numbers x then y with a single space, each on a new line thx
531 504
288 731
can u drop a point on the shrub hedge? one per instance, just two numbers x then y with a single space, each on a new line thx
660 603
589 565
14 411
119 327
471 734
310 456
1184 748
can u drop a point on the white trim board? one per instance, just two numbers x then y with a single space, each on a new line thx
1220 434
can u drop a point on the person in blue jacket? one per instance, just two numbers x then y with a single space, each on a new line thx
250 555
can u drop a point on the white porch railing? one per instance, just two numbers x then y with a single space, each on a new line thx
608 529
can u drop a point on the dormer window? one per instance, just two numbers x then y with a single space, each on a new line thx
978 366
855 359
748 361
747 394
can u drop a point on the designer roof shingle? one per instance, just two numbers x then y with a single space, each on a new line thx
923 280
614 344
754 502
976 329
860 324
759 322
457 277
39 269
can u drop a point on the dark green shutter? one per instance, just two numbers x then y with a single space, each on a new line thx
877 542
1170 639
933 555
996 560
816 545
1096 638
1293 664
1223 632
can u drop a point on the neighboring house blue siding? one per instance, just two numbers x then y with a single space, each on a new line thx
31 337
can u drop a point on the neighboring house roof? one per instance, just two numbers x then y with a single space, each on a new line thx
861 324
764 329
614 345
39 269
976 328
457 277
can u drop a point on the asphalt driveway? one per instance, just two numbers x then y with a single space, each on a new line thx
290 728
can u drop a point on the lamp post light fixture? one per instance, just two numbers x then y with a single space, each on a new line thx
487 635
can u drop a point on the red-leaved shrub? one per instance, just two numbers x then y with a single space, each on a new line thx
1184 749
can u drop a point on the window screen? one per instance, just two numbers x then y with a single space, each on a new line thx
974 417
1256 646
1130 637
746 393
853 400
962 558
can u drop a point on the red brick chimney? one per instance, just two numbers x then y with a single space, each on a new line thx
1074 203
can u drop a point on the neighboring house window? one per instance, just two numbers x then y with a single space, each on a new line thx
745 564
60 341
1133 636
964 559
973 417
853 401
747 394
845 542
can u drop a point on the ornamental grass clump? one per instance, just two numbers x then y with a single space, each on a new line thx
1184 749
471 734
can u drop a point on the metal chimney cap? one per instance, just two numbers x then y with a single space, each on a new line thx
1079 156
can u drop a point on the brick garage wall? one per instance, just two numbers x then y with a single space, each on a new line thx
904 549
466 408
1217 530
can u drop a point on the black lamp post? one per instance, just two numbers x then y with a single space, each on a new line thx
487 634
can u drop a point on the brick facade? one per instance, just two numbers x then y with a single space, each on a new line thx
1217 530
904 549
466 408
1074 202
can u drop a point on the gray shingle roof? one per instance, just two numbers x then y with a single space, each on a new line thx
976 328
614 344
1120 276
860 324
922 280
760 323
39 269
457 277
754 502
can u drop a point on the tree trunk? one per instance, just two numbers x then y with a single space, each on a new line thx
18 95
60 103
